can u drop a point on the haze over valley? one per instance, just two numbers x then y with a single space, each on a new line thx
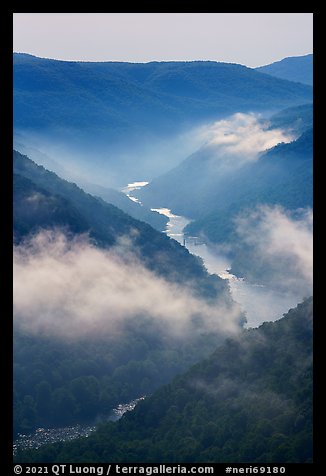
163 259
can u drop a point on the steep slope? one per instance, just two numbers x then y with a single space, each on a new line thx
123 122
215 183
102 320
294 68
33 205
104 222
116 95
283 175
120 200
251 401
297 119
110 195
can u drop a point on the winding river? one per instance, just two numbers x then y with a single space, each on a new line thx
259 302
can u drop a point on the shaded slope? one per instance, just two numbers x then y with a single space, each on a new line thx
113 96
251 401
297 119
212 196
123 122
283 175
70 377
120 200
105 224
110 195
294 68
34 206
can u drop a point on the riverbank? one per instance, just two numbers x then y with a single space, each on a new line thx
46 436
258 302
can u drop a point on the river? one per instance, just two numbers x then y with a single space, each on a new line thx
259 302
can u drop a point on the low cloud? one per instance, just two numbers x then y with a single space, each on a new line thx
281 243
70 288
241 138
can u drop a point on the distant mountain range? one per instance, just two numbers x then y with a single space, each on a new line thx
95 114
249 402
216 392
294 68
202 189
111 96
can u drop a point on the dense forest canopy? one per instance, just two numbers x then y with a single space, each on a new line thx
107 308
80 351
250 402
295 68
114 123
119 94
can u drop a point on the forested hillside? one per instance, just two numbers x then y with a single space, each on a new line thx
294 68
109 309
117 123
282 176
113 95
251 401
104 222
78 349
214 184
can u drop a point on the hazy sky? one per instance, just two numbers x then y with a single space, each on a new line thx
252 39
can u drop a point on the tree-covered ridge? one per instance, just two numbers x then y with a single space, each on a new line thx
282 176
34 206
110 195
297 119
67 379
104 222
251 401
294 68
199 188
114 97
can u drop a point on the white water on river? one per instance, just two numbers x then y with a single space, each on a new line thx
259 302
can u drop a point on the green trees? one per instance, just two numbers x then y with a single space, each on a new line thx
87 377
44 403
228 408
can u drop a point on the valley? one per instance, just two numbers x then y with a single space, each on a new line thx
162 246
258 301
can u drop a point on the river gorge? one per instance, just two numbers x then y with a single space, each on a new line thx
259 302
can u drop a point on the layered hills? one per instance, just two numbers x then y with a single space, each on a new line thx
219 180
249 402
113 95
92 115
294 68
106 308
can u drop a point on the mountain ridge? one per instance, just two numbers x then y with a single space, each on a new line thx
292 68
98 112
194 194
86 370
106 223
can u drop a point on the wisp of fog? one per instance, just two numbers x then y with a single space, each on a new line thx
70 288
283 242
241 138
